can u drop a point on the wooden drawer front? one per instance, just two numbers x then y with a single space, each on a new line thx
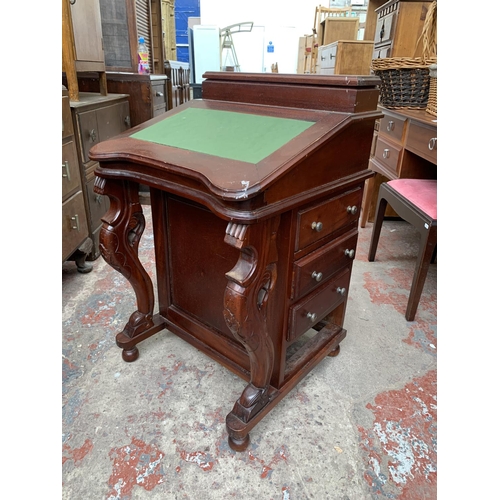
98 205
392 127
387 154
327 56
112 120
318 267
67 122
102 124
385 28
316 306
70 168
89 133
323 219
74 224
158 95
422 141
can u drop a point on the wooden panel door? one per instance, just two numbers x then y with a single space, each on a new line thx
87 31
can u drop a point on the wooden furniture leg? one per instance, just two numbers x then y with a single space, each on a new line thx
249 287
121 232
367 201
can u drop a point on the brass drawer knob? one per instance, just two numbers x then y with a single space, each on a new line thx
65 166
312 317
317 226
349 253
159 94
341 291
317 276
390 126
432 143
386 153
352 210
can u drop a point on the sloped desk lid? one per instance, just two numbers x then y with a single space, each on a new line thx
235 149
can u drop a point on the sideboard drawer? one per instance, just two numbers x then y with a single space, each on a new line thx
422 141
305 314
392 127
324 218
388 154
70 168
319 266
158 93
74 224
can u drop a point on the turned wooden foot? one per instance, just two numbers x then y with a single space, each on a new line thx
130 355
239 444
335 352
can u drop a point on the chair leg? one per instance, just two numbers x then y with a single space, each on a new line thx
425 253
377 226
367 201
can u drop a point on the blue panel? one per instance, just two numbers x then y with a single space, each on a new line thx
183 10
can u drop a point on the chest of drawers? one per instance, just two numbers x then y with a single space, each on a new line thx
75 240
345 57
405 147
399 24
96 118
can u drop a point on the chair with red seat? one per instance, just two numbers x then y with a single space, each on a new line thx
415 201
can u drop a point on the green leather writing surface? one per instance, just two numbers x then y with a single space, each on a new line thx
227 134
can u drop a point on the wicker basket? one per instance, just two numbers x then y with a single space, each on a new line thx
432 104
405 81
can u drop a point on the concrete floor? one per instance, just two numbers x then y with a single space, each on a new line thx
361 426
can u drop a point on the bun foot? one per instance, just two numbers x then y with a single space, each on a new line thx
239 444
335 352
130 355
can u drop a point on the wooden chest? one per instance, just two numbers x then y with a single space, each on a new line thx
345 57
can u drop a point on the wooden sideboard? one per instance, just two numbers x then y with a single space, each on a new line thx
147 94
255 196
96 118
405 147
76 244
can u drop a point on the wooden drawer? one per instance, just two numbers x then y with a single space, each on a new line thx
102 124
67 122
159 97
388 154
422 141
386 25
392 127
319 266
327 57
74 224
305 314
98 205
70 168
321 220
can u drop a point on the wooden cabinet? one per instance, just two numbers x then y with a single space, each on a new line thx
96 118
345 57
406 147
82 42
123 22
76 243
147 94
333 29
399 24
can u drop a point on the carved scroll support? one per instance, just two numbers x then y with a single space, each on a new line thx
249 287
123 225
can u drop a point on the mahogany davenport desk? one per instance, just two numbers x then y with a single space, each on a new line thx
255 197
